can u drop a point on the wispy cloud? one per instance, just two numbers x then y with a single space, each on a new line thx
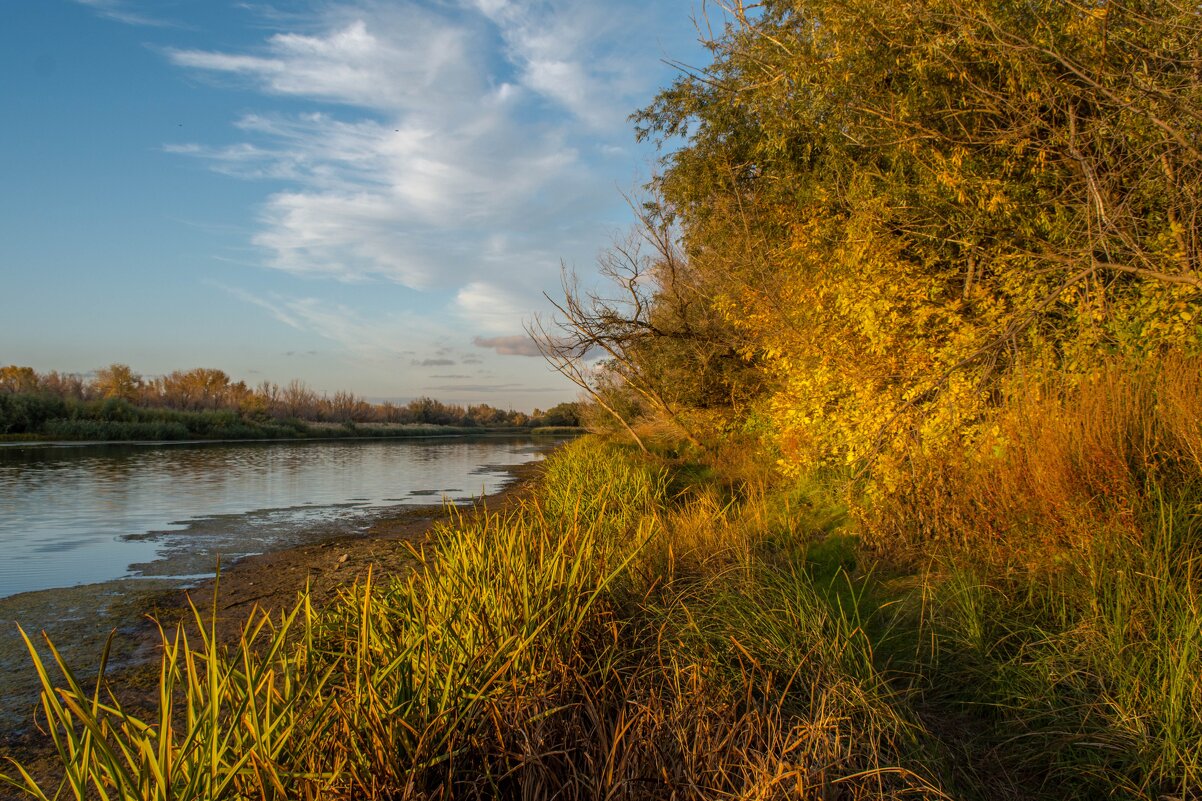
587 57
378 338
447 145
459 151
416 192
274 308
392 65
121 11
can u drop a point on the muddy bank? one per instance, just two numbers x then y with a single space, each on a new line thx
80 619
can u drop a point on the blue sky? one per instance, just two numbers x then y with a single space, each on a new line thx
369 196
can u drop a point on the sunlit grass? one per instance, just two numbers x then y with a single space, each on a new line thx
221 727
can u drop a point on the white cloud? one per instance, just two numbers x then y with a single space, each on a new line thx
416 192
464 148
588 57
373 59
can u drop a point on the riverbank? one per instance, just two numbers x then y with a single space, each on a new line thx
685 626
80 619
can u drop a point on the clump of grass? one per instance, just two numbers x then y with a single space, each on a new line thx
225 724
439 668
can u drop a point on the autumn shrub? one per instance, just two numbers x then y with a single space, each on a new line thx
896 208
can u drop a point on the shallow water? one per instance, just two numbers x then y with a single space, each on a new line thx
88 513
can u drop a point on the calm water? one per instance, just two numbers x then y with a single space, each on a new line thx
81 514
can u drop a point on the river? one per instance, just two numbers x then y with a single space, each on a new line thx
79 514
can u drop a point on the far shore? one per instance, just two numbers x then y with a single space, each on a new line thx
412 432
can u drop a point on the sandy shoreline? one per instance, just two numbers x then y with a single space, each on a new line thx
83 617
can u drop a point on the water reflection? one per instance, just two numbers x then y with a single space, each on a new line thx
72 515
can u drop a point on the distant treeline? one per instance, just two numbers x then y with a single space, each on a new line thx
119 404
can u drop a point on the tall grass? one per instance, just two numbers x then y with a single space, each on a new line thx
1088 676
223 724
549 650
1058 604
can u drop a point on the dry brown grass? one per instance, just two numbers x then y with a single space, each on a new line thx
1061 464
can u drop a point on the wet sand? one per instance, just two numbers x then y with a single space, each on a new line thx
83 617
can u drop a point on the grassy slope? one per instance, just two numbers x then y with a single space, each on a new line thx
646 628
